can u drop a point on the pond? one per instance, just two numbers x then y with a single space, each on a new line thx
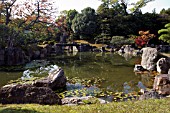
116 70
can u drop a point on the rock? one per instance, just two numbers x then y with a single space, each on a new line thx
22 94
138 68
164 48
162 84
82 100
55 80
149 58
163 65
128 49
150 95
71 100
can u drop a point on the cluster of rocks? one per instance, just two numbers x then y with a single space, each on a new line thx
152 60
26 93
40 91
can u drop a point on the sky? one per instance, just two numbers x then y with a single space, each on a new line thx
81 4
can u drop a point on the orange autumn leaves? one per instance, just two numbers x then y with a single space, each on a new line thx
144 38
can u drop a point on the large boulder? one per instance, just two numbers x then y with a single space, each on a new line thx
55 80
149 58
163 65
25 93
162 84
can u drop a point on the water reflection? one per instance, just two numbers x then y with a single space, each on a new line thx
115 69
127 88
141 86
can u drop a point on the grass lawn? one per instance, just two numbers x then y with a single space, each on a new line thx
146 106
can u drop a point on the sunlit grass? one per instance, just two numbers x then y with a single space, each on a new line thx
146 106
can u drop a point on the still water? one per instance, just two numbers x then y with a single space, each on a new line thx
117 70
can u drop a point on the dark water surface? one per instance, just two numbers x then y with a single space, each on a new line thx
115 69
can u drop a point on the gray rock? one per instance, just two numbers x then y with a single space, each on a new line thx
138 68
128 49
162 84
149 58
163 65
55 80
22 94
150 95
79 100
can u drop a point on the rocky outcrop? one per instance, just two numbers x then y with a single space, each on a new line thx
55 80
39 91
149 58
163 65
162 84
161 88
138 68
82 100
25 93
150 95
128 49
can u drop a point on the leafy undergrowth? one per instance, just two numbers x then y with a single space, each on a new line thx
146 106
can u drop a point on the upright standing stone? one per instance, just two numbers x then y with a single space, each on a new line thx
162 84
163 65
149 58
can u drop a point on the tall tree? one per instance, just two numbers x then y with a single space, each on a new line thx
6 8
84 24
125 6
25 15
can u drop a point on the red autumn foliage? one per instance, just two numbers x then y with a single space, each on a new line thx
142 40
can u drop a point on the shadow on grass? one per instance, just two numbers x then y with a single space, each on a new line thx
17 110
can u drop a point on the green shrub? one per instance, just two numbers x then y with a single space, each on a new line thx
121 40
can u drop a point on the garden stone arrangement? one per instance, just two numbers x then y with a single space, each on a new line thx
57 89
40 91
152 60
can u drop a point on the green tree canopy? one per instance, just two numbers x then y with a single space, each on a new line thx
84 24
165 33
124 6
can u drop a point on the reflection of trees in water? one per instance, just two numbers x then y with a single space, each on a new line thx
113 67
127 56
